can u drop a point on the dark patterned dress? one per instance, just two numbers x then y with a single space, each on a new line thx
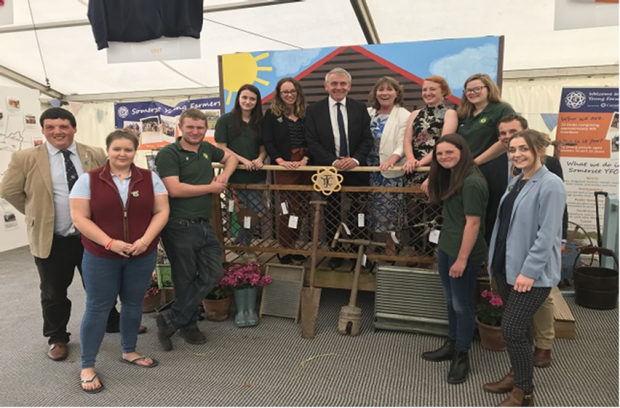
387 210
427 128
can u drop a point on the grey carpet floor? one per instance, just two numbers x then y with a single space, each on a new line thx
271 365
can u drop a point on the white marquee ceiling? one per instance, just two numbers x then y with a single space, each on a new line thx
75 67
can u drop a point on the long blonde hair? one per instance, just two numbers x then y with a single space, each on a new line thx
466 108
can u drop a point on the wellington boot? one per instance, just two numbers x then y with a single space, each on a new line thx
251 317
443 353
518 398
504 385
459 368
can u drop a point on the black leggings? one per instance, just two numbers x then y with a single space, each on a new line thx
517 328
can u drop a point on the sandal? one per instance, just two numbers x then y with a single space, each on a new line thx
143 358
95 390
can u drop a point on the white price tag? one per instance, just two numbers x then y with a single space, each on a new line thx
346 229
247 222
360 219
292 221
393 235
434 236
284 208
231 205
364 260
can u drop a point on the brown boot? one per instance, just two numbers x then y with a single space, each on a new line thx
504 385
518 399
542 357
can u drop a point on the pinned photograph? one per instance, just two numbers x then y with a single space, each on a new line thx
10 221
30 120
12 103
151 130
212 117
132 127
168 128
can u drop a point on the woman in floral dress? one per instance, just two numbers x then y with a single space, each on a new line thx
424 127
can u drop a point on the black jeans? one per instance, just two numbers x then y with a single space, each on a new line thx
56 274
195 256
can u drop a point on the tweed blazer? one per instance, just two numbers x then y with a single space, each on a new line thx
533 244
27 186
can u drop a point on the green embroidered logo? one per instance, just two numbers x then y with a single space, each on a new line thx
206 156
135 193
280 120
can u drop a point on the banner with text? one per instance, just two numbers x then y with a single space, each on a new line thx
157 124
588 120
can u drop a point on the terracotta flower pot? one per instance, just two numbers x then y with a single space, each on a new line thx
491 337
216 310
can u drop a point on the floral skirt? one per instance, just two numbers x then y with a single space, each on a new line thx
386 210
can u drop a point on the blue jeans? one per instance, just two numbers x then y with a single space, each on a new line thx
104 280
459 294
253 200
195 257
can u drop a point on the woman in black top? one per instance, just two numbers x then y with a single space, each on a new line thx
284 136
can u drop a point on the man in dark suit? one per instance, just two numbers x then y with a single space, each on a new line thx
338 134
498 173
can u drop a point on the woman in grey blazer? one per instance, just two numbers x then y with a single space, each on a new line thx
524 256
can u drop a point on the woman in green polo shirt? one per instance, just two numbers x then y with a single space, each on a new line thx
479 113
457 184
239 132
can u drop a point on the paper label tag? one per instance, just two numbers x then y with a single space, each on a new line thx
346 229
292 221
433 236
393 235
284 208
364 260
231 205
247 222
360 219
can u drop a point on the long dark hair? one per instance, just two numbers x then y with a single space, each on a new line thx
444 183
257 112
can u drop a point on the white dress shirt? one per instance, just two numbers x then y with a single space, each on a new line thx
333 116
62 215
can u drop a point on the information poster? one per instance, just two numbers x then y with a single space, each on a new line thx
588 122
19 130
156 124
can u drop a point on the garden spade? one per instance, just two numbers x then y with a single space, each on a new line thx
311 296
350 318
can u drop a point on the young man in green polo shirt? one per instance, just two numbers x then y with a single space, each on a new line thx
190 242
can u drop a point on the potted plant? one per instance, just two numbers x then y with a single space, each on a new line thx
489 313
244 279
152 297
217 303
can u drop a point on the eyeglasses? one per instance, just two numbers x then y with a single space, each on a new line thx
291 92
475 90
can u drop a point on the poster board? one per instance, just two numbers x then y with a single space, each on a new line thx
588 119
19 129
157 124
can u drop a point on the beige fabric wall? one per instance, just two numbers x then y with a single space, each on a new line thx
530 97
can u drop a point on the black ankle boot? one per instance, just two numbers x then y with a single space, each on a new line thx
459 368
443 353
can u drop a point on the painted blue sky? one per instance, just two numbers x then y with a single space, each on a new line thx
454 59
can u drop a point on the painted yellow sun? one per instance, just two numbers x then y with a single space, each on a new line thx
240 69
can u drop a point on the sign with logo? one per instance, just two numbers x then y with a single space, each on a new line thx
588 120
327 181
156 124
